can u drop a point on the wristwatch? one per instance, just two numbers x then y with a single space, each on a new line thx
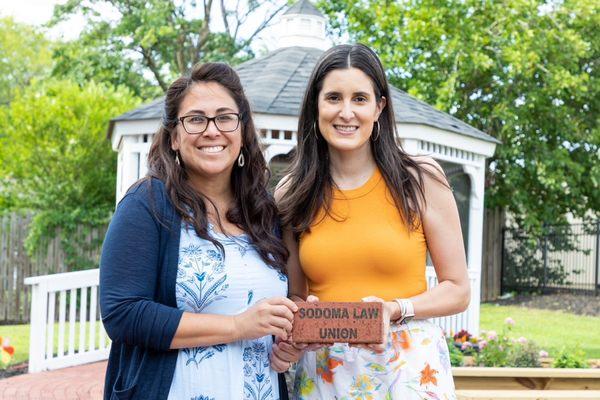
407 310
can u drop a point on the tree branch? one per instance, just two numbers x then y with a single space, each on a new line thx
205 31
224 16
149 61
180 56
264 24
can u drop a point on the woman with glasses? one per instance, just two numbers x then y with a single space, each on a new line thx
359 217
192 283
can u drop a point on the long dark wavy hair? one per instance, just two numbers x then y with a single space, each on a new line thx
308 185
254 211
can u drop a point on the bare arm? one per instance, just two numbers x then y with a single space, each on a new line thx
203 330
442 230
268 317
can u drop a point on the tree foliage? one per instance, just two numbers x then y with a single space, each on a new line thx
161 39
523 71
94 55
56 160
25 54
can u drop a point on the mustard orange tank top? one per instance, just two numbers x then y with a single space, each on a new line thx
364 249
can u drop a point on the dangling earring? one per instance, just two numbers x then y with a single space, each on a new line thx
241 160
376 136
177 158
315 129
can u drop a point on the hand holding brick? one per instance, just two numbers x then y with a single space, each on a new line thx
335 322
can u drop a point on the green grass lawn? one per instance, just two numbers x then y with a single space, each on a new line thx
19 339
551 330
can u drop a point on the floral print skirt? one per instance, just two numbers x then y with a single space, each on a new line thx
415 365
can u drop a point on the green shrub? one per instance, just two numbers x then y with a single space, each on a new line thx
524 354
495 351
499 350
570 358
456 356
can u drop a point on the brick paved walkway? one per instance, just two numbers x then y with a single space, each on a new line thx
84 382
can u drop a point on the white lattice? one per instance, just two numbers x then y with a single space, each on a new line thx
448 153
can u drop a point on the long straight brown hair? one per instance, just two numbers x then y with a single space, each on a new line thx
308 185
254 211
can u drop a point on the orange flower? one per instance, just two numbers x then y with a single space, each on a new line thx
326 365
4 346
428 375
405 339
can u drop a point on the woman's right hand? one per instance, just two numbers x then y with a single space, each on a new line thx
267 317
311 346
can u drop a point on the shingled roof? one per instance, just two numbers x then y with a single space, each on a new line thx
275 84
303 7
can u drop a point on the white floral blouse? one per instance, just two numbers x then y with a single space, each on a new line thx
207 283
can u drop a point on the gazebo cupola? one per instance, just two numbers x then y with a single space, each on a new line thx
303 25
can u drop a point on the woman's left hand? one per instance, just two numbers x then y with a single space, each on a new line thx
388 312
284 354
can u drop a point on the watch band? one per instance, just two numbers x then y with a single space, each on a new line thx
407 310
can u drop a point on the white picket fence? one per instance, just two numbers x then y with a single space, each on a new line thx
82 339
80 333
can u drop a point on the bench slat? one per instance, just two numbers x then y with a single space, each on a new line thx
528 372
527 394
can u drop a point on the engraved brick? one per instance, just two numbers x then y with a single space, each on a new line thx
336 322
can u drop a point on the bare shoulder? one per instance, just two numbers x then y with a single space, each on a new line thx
430 165
437 190
281 188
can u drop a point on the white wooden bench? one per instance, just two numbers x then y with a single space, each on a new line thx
528 379
527 394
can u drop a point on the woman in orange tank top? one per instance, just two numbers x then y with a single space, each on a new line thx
359 216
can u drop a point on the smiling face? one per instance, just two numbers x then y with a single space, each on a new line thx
212 153
348 110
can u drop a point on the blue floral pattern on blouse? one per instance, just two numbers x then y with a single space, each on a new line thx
212 282
257 382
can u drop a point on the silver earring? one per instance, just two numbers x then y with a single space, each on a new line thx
241 160
177 158
315 129
378 129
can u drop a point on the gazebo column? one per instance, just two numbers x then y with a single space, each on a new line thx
133 156
474 256
129 165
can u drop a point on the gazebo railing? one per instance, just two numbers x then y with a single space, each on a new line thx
66 328
468 319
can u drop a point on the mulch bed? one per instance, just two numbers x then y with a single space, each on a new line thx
570 303
13 370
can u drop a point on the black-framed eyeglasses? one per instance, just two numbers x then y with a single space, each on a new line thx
196 124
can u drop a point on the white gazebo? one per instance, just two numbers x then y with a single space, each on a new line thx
275 85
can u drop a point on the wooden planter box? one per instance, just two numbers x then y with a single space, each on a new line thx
526 383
